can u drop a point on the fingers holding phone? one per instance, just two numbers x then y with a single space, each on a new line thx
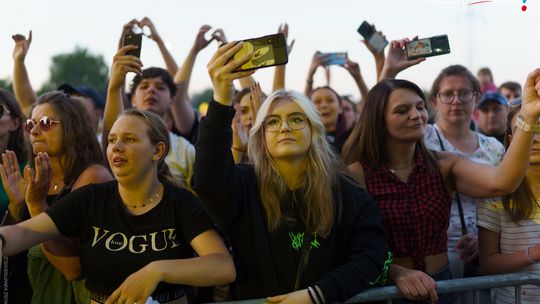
222 69
124 63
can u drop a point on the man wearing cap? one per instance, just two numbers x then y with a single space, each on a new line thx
492 111
91 100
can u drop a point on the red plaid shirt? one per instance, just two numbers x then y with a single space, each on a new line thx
415 213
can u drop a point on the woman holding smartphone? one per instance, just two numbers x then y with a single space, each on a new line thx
303 230
137 232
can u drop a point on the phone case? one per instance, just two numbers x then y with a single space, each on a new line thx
372 37
267 51
427 47
133 39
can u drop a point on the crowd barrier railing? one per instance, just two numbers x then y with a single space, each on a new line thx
389 293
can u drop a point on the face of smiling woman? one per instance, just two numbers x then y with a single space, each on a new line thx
406 116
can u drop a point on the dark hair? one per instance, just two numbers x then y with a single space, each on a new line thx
367 140
455 70
157 132
240 94
153 72
510 85
17 140
520 204
340 123
79 142
485 71
328 88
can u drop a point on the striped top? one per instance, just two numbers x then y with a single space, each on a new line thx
491 216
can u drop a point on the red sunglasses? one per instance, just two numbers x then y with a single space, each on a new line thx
45 124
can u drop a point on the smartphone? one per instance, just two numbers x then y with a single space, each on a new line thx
133 39
427 47
335 58
267 51
376 40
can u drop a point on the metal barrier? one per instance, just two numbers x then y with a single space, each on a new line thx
389 293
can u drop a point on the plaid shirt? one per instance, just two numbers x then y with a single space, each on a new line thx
415 213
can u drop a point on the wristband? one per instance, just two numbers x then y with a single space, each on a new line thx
525 127
313 295
529 257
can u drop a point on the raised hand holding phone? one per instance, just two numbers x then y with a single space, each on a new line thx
266 51
396 59
133 39
372 37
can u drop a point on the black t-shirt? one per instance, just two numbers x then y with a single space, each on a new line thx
115 243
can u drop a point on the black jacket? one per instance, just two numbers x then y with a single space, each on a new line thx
231 194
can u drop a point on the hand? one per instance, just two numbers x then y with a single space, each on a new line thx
256 99
38 180
153 32
122 64
396 60
221 70
127 29
378 55
353 68
284 29
469 247
240 137
200 41
530 107
14 184
137 287
22 45
219 35
416 285
296 297
316 61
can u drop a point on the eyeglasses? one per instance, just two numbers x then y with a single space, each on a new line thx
515 102
3 111
45 124
464 96
294 121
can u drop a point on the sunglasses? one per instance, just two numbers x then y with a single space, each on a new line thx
45 124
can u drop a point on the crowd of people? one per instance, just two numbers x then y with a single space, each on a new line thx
293 197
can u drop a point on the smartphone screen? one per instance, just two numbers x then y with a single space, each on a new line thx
427 47
335 58
133 39
267 51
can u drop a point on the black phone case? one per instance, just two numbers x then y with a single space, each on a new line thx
267 51
133 39
366 30
439 46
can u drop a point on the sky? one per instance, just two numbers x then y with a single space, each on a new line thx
495 34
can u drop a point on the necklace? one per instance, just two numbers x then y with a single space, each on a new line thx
147 202
393 170
57 184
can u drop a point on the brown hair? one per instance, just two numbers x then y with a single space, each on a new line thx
17 140
367 139
521 204
455 70
79 142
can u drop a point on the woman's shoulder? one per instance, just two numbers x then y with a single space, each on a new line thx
356 171
92 174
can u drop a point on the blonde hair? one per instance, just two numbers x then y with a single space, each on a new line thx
324 169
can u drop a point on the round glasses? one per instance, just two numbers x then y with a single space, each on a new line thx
273 123
44 123
463 96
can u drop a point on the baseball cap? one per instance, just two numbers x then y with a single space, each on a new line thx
492 96
84 91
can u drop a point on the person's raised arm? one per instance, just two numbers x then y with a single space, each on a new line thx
396 60
182 112
122 64
279 73
480 181
378 56
21 82
171 65
354 69
214 169
317 60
